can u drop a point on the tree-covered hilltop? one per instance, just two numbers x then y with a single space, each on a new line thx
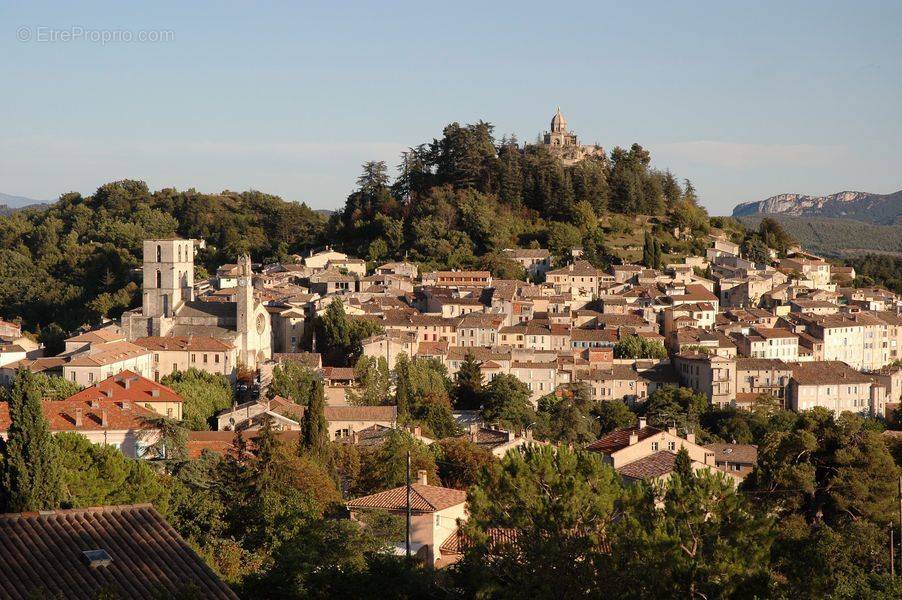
464 196
72 263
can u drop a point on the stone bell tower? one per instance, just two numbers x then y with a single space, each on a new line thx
168 279
245 310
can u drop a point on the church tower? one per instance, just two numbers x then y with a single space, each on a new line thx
168 276
245 311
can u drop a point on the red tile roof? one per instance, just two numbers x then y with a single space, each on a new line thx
423 498
620 438
108 354
649 467
200 343
63 415
127 386
43 553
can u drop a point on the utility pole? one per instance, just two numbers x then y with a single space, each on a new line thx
892 560
408 505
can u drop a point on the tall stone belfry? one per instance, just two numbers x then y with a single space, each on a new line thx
168 278
565 145
169 308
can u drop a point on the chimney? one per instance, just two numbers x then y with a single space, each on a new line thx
107 393
421 477
510 436
103 420
634 439
642 422
672 430
417 431
355 437
155 393
79 417
95 403
690 437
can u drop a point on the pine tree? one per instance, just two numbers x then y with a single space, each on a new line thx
31 475
657 256
468 384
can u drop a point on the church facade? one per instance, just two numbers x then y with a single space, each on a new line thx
565 144
169 309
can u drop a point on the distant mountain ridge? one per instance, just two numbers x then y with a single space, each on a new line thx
885 209
10 203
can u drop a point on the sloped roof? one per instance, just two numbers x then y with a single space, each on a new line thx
423 498
127 386
649 467
736 453
107 354
620 438
63 415
200 343
149 559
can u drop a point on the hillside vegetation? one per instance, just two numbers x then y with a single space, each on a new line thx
838 238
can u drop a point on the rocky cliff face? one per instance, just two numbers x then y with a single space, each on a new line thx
862 206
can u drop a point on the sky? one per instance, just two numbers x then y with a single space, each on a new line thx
747 100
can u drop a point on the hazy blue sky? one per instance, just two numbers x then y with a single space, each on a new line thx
746 99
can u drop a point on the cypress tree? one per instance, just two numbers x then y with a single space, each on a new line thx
314 428
657 254
403 387
682 466
32 479
468 384
648 251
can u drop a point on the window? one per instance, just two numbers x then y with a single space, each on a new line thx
671 446
205 359
216 357
91 377
169 413
159 253
654 446
159 279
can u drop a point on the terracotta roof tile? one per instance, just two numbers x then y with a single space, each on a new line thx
423 498
43 552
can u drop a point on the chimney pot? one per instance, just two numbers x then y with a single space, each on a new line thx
103 420
79 417
690 437
672 430
417 431
642 422
634 439
421 477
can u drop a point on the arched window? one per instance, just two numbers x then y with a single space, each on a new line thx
180 254
159 279
159 253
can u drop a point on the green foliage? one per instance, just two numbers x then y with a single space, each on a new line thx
72 263
613 414
338 337
422 390
385 466
49 387
373 381
877 270
506 402
827 468
562 238
704 541
293 381
568 419
460 461
99 475
555 506
676 407
467 390
634 346
315 440
31 474
204 394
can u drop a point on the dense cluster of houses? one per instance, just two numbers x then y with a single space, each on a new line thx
794 330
